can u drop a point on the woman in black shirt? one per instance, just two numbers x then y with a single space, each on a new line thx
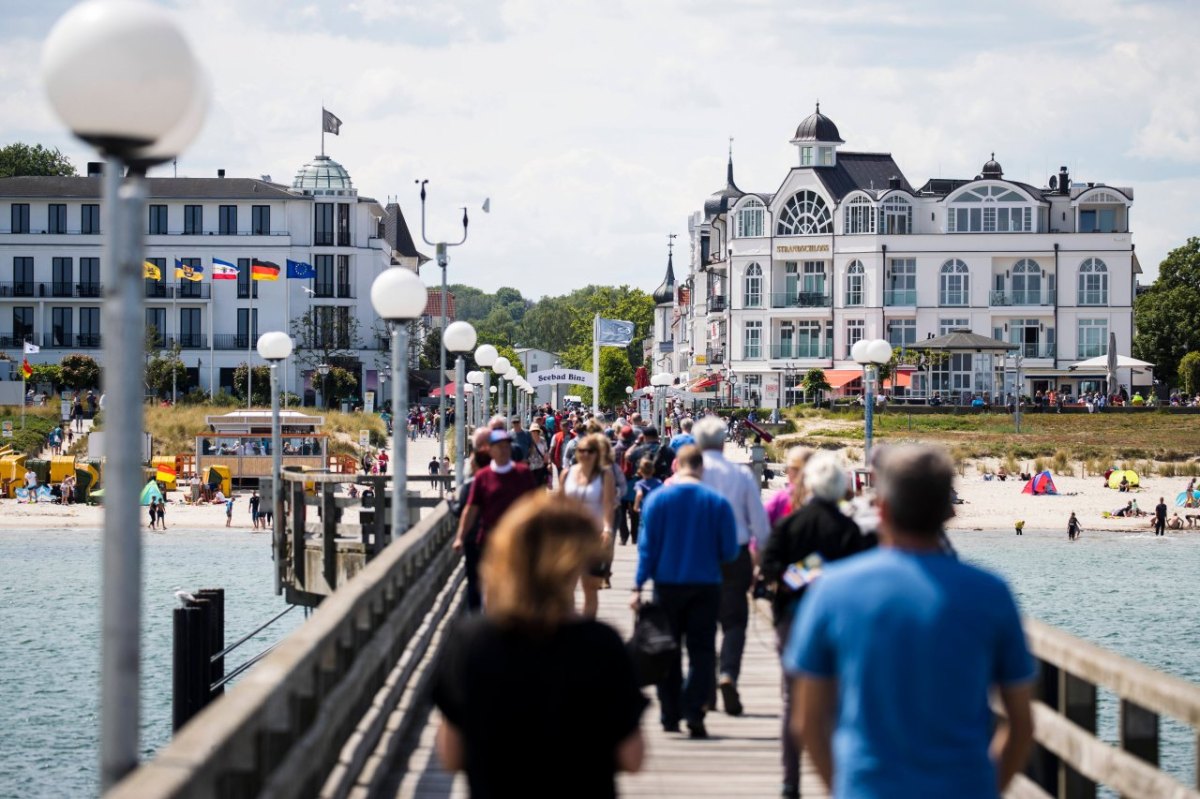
536 701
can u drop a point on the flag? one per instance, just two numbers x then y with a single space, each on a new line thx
298 270
614 333
186 272
330 123
223 270
26 369
151 271
164 473
263 270
31 348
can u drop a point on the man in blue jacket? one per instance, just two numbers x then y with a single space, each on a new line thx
688 531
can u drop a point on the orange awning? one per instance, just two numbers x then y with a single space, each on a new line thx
899 380
840 377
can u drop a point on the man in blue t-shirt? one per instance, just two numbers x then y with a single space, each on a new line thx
895 651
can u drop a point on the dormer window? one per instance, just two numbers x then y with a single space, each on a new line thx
989 209
806 156
826 156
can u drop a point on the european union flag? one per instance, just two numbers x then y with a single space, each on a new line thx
298 270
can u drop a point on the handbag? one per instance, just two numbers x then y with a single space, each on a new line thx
652 645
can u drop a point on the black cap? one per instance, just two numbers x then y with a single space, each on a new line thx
650 431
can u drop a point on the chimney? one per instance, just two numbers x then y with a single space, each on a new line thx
220 173
95 169
1064 180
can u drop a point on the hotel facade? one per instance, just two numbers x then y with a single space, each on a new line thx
846 248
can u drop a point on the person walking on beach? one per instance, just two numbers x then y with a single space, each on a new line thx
229 511
1160 517
1072 527
153 511
161 514
255 499
931 634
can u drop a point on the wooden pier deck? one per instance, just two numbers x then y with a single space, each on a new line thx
740 758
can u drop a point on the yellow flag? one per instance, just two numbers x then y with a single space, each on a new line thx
152 272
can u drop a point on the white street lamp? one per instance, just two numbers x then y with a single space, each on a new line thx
398 296
274 347
475 378
870 355
501 367
459 338
486 356
94 70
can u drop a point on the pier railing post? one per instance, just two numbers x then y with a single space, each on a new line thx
1139 731
1077 703
1043 764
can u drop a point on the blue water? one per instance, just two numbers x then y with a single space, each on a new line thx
50 635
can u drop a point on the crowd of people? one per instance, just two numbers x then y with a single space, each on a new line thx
873 628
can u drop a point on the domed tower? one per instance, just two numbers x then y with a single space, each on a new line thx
817 139
322 176
720 201
992 170
664 298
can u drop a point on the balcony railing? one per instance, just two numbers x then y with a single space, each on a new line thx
22 288
1093 298
342 291
189 341
231 341
954 299
1034 350
52 341
798 349
1086 351
715 357
802 299
185 290
29 288
900 298
1001 298
716 304
12 340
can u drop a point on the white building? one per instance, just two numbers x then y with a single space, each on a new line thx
535 360
845 248
53 271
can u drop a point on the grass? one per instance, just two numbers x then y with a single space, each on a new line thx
38 424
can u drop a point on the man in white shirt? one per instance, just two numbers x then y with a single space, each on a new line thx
737 484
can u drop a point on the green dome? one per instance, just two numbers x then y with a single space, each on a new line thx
321 175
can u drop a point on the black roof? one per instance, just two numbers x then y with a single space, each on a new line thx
817 127
164 188
866 171
665 293
397 235
720 201
946 186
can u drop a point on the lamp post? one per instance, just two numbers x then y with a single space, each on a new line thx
94 72
510 400
485 356
501 366
557 365
323 370
659 380
475 378
398 296
870 355
274 347
459 338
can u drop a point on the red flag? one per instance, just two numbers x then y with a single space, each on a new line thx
26 369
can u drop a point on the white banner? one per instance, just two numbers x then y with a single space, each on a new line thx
550 377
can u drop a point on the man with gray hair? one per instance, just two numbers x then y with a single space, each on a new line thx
895 652
737 484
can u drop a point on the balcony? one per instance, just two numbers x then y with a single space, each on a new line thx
231 341
715 357
1035 349
15 340
716 304
189 341
900 298
21 288
327 291
186 290
802 299
56 341
26 288
1018 298
954 299
799 349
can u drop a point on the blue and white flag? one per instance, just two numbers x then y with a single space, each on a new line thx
298 270
614 333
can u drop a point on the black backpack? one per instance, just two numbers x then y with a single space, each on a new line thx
663 460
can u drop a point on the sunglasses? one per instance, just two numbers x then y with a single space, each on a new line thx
587 451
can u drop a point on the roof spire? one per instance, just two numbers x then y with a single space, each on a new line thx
818 106
729 168
665 293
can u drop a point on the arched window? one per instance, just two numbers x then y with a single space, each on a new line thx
804 214
895 217
750 219
859 216
753 286
1093 282
854 283
955 283
989 209
1027 283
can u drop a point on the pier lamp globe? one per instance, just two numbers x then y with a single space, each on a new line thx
871 354
274 346
459 338
475 377
486 355
501 365
879 351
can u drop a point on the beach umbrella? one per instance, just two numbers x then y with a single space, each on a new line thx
1111 365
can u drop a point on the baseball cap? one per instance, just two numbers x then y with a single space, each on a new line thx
499 435
626 431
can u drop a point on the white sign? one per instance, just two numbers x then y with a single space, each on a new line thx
65 410
364 439
771 390
645 408
552 376
8 429
369 402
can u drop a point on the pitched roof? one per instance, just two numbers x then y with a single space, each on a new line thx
164 188
433 304
867 171
963 340
397 234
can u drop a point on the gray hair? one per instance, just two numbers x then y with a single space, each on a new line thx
709 433
686 425
825 476
916 483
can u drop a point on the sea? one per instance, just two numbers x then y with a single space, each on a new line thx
1128 592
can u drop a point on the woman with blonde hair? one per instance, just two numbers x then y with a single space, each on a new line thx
792 495
529 683
591 481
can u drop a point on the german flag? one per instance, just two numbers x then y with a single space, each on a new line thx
263 270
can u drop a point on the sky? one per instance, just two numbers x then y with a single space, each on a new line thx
596 128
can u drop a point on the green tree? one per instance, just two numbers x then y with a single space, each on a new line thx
165 371
1168 312
615 374
20 159
1189 373
261 388
46 374
498 328
80 372
547 325
814 382
431 349
322 336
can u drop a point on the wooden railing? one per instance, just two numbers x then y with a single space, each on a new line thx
1069 760
338 699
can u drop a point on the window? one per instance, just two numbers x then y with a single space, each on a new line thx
193 220
343 225
190 333
1098 220
826 156
245 286
20 217
227 220
1093 282
752 347
323 225
89 277
804 214
955 283
895 217
1026 282
989 209
902 333
813 279
260 220
754 286
247 327
859 216
23 323
1027 334
854 283
750 220
902 282
156 327
344 289
787 341
323 282
953 377
89 327
157 288
1093 338
808 341
57 220
856 331
950 325
806 156
62 270
190 288
89 219
60 327
158 220
23 276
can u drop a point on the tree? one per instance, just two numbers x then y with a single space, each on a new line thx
80 372
323 335
1189 373
261 388
1168 312
19 159
815 382
46 374
615 374
498 328
547 325
431 349
166 371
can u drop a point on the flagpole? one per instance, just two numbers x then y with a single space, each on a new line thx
250 337
212 336
322 131
596 365
287 314
23 390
